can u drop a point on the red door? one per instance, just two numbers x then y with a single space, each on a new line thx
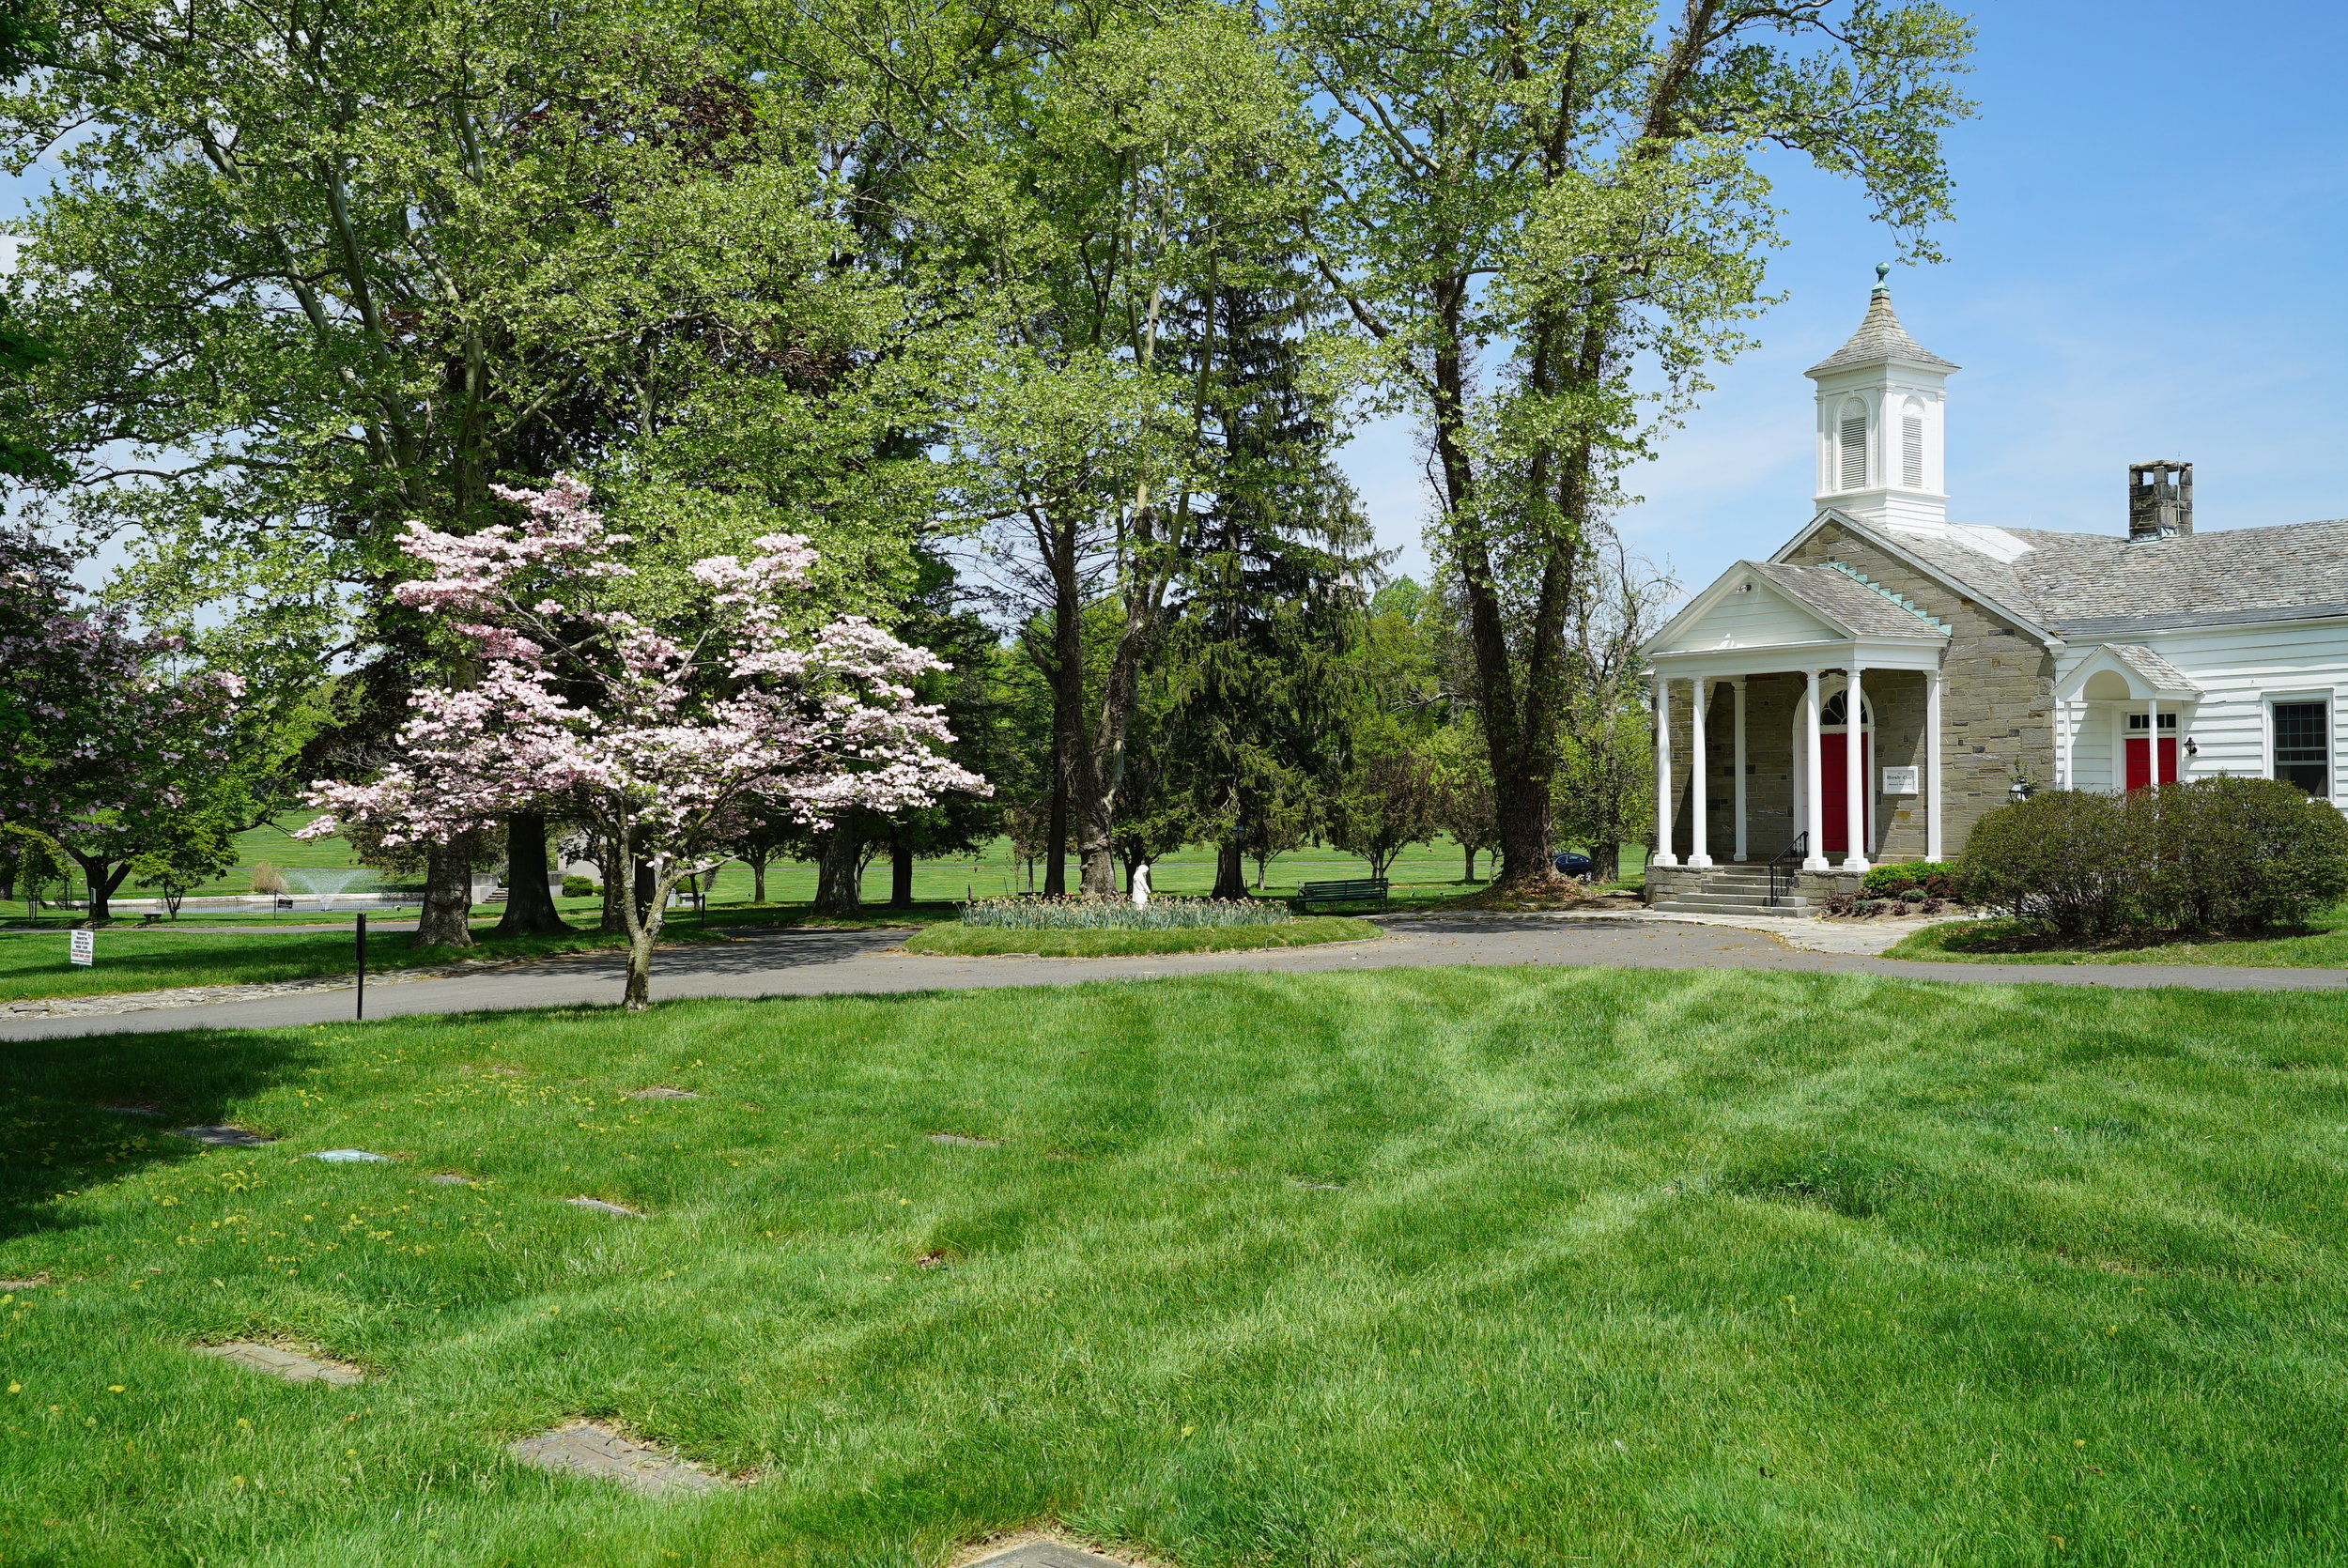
2139 761
1834 795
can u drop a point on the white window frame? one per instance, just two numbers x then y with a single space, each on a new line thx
2273 700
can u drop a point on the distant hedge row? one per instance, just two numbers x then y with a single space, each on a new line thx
2215 854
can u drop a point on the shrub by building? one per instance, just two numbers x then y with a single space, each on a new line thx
2212 855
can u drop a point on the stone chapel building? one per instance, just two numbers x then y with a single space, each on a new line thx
1978 662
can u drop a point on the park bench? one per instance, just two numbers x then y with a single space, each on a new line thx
1318 895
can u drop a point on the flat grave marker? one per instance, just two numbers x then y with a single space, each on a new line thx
351 1157
222 1137
586 1448
277 1363
602 1208
962 1142
658 1092
1048 1554
449 1178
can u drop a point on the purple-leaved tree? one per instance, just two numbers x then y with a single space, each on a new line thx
658 740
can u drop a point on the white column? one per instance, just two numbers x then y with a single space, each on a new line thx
2152 740
2119 717
1738 687
1855 774
1699 793
1813 772
1661 855
1932 763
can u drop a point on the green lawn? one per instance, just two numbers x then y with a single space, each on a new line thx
35 963
1473 1268
1424 873
2322 945
952 937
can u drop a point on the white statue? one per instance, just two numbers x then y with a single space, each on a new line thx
1141 886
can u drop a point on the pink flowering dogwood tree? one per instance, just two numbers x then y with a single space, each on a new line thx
657 739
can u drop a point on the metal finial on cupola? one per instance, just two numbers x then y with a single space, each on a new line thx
1883 279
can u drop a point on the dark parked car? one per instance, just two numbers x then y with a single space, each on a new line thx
1574 864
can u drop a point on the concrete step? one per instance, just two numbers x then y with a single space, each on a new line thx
1779 911
1724 904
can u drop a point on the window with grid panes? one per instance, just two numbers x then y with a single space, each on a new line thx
2303 751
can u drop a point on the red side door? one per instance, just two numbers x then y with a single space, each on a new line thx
1833 797
2140 761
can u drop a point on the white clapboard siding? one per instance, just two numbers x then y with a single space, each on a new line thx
2240 669
1761 619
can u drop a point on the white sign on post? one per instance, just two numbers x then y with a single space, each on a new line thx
84 948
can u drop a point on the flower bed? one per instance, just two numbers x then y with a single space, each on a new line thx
1083 914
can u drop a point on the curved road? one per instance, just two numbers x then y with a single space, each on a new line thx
814 963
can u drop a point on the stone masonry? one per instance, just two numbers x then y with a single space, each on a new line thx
1997 706
1997 694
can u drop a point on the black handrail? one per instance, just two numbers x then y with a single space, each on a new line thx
1781 870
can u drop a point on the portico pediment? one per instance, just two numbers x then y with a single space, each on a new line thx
1744 610
1759 606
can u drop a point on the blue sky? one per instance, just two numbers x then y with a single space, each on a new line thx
2146 261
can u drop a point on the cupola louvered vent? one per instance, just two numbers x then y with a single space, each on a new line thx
1854 451
1913 452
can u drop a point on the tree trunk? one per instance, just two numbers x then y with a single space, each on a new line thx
900 875
445 918
529 903
1606 862
839 871
102 885
758 879
645 913
614 920
1471 864
1055 837
1230 868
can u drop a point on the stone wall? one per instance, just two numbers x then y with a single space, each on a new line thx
1996 695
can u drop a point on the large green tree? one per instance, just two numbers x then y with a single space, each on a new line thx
1550 216
1142 177
310 274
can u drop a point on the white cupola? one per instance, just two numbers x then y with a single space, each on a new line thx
1880 453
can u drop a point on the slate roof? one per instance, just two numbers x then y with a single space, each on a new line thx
2095 585
1880 336
1845 601
2159 671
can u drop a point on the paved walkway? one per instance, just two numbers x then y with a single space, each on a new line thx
816 962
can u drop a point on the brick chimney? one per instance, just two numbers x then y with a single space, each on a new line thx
2160 500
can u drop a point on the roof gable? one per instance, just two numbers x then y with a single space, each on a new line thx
1769 604
1993 584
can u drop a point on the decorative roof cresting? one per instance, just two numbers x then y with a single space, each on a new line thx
1880 336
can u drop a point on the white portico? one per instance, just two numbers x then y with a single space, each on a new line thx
1838 662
